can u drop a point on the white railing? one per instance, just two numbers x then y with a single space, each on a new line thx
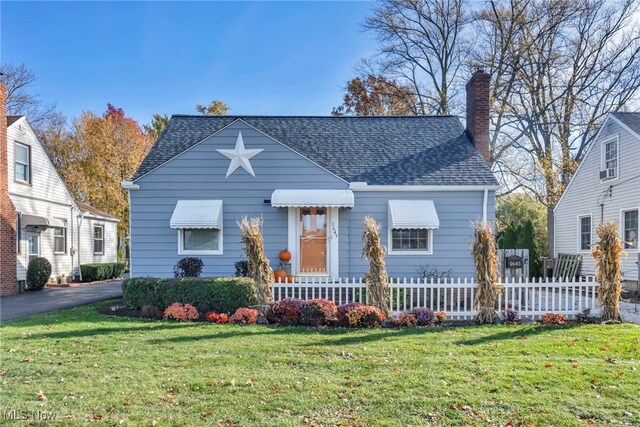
531 298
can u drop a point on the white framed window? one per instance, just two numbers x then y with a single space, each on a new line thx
609 166
59 240
584 233
22 160
410 241
630 229
199 241
98 239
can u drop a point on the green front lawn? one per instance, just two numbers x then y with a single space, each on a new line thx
90 367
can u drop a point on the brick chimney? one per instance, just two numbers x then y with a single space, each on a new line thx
478 113
7 211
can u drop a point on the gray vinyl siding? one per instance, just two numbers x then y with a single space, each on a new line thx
451 242
585 194
199 173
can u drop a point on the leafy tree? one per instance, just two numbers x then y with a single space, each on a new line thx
515 209
215 108
98 154
376 96
157 125
527 240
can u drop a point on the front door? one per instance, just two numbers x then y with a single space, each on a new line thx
314 242
33 246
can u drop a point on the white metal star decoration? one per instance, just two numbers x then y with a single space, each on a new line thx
240 156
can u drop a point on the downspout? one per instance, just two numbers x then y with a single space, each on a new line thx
80 217
484 204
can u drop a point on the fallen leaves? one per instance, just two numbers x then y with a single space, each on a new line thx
41 396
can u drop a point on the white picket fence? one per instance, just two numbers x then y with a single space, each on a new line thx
531 298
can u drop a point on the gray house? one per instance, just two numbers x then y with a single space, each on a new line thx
313 180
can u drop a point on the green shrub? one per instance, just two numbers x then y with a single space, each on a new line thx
102 271
222 295
38 273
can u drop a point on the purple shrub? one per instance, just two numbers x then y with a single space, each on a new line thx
424 316
511 314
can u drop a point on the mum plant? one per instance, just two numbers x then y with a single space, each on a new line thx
318 312
181 312
285 312
245 316
213 317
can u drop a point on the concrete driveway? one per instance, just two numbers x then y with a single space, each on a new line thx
54 299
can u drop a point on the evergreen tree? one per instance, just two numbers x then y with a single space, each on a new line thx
527 240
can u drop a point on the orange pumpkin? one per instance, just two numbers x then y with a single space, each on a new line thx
285 255
280 276
291 278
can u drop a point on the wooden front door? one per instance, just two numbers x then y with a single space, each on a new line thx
313 240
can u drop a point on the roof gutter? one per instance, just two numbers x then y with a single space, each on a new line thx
129 185
363 186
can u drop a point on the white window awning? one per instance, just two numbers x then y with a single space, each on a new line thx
33 221
197 214
310 198
413 214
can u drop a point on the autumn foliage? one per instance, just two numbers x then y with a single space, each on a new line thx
96 155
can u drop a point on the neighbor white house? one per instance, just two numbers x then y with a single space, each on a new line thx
605 187
49 222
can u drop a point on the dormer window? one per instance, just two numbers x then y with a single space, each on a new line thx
609 159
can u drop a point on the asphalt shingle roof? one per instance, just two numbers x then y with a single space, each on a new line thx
630 119
12 119
421 150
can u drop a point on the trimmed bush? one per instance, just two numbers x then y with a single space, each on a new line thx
285 312
318 312
222 295
102 271
181 312
244 316
38 273
188 267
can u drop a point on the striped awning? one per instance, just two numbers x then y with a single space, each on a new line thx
197 214
311 198
413 214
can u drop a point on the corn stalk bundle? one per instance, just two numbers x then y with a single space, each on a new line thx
486 260
257 263
376 277
608 255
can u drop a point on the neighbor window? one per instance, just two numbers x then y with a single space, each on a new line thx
59 240
22 162
98 239
611 158
204 241
410 239
630 229
585 233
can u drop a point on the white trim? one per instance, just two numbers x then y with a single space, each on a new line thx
182 251
359 186
390 250
593 144
283 198
130 236
622 212
333 245
485 200
579 234
223 128
603 166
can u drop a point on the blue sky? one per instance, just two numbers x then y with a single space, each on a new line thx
164 57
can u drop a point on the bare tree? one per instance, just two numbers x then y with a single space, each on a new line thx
565 66
20 101
422 47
